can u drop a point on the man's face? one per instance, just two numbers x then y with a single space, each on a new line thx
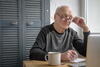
64 18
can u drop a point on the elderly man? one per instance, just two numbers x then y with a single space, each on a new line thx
59 37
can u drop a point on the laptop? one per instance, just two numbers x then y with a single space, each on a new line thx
93 51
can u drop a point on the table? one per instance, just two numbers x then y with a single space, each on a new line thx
35 63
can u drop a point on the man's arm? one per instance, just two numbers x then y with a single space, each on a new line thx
81 45
37 52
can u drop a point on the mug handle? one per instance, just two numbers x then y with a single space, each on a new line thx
46 57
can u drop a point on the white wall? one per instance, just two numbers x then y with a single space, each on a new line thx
74 4
93 15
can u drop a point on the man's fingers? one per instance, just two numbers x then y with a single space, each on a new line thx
72 54
69 55
78 20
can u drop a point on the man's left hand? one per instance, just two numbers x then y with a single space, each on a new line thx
81 23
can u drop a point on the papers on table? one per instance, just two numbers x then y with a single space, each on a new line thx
79 60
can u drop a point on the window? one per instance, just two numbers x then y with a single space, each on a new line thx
93 15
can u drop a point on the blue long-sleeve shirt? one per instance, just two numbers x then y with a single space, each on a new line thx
49 40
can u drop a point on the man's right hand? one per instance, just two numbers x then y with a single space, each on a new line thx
69 55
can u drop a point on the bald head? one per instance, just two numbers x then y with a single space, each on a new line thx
63 10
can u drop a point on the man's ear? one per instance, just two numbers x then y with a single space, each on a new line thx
54 16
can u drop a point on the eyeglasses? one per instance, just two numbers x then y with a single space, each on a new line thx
66 18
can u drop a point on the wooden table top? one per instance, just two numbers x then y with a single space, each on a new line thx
35 63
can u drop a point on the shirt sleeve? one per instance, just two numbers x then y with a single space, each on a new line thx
79 44
37 52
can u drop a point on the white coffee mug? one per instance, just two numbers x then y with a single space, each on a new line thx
54 58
